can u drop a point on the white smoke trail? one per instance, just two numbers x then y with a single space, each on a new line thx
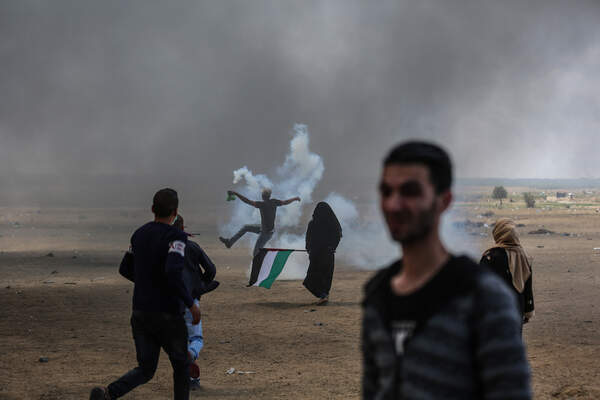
458 241
297 176
255 183
365 244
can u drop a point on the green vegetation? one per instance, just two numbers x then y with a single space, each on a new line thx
529 199
499 193
483 198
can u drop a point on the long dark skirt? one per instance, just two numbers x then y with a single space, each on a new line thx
320 272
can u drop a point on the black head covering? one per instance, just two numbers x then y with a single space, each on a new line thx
324 230
324 216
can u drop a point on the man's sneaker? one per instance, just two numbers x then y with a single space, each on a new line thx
99 393
225 242
195 384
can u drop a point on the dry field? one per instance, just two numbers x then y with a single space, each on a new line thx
72 309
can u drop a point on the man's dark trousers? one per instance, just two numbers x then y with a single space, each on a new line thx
151 332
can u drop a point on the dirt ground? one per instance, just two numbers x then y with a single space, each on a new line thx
62 301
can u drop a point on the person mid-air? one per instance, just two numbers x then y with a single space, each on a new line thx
268 211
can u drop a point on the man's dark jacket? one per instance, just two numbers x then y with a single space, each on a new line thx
155 264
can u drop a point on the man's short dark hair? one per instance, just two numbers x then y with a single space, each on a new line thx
430 155
165 202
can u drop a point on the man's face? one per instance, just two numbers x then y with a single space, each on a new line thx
409 203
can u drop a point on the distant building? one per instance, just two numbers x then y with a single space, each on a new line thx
561 195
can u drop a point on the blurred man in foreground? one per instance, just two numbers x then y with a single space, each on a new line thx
435 326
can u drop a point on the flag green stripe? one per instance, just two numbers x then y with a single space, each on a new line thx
276 268
265 266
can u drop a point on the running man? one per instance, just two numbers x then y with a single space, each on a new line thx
160 297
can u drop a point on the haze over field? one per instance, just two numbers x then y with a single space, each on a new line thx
104 102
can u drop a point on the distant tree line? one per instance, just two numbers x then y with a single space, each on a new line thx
529 200
500 193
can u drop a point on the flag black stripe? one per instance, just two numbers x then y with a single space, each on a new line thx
256 264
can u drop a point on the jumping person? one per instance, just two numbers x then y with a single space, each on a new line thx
198 276
155 266
435 326
268 211
509 260
322 238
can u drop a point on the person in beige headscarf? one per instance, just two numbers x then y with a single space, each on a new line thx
509 260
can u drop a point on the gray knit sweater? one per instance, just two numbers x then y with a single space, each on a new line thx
470 347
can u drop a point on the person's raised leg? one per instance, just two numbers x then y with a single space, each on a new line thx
147 350
245 229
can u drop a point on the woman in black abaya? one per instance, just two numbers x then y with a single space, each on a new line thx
322 238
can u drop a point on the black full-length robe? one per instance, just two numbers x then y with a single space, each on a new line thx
322 238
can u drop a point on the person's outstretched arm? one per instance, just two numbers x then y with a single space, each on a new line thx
242 198
288 201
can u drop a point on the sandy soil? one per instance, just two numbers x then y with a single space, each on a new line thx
73 308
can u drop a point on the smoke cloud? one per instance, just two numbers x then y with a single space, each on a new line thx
365 243
104 102
297 176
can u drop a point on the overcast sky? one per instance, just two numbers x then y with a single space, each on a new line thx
106 96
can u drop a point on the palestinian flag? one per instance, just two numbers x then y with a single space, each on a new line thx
268 264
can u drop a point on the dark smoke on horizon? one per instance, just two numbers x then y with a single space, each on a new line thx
108 101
